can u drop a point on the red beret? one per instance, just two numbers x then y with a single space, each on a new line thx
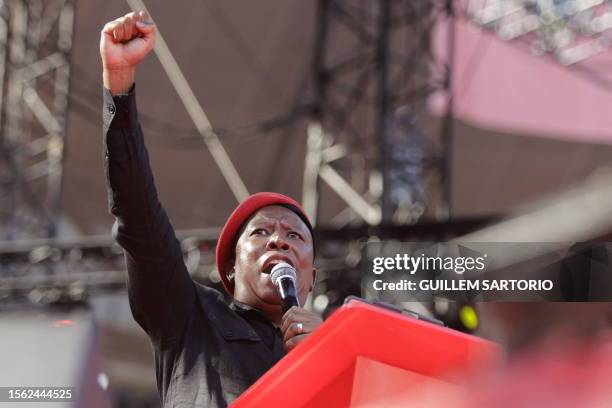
244 211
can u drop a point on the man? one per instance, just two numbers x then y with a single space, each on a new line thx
206 352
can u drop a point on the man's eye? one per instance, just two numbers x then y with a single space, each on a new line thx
294 235
259 231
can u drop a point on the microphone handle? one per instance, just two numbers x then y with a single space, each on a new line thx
288 294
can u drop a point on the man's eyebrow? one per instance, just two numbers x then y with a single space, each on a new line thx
261 221
258 223
261 218
294 225
286 222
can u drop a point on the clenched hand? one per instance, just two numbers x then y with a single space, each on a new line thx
125 42
297 324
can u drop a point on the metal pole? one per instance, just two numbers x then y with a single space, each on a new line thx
195 111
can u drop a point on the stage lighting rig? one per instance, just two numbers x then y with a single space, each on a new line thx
569 30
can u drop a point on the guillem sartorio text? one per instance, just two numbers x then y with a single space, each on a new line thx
450 285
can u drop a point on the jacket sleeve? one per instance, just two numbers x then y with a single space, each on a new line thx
160 289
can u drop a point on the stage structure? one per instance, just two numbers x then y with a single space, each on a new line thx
35 44
372 71
569 30
61 270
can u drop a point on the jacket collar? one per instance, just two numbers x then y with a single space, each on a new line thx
228 322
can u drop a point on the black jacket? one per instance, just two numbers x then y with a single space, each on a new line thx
206 352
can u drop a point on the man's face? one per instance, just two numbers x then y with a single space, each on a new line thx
274 234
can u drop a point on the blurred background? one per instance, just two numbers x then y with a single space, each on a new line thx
389 119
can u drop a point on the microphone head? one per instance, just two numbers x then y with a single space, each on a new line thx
283 270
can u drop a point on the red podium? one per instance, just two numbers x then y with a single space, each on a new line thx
366 356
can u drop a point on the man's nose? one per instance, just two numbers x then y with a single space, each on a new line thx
276 241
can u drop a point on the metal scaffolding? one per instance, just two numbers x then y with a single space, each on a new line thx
35 45
372 67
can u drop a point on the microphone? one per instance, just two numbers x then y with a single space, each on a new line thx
284 277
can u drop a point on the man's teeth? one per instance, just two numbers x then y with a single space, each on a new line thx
270 265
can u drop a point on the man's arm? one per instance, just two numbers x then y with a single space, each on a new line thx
160 289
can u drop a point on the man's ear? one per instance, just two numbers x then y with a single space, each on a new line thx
230 269
314 279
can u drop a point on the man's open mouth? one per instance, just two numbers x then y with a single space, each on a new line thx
271 263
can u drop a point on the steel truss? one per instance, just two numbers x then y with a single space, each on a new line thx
49 271
69 270
35 45
373 73
570 30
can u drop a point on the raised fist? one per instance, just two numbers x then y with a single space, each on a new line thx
125 42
